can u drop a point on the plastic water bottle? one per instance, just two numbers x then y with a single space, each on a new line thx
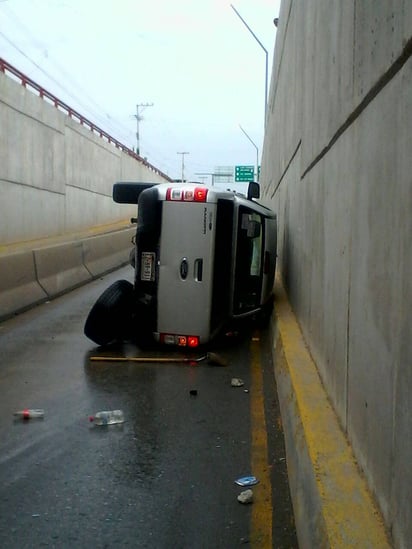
108 417
29 414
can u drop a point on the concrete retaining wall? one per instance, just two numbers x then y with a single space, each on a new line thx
336 168
56 176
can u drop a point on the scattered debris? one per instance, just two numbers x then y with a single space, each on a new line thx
246 481
29 414
237 382
107 417
211 358
245 497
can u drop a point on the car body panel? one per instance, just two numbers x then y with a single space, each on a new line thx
185 268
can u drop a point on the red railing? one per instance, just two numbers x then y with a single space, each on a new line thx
27 82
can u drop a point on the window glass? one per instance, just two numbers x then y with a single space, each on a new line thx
248 270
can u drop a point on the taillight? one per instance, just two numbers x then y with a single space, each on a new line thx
200 194
179 194
192 341
180 340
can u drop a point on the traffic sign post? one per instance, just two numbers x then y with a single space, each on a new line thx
244 173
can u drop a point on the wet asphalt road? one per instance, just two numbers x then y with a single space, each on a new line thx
164 478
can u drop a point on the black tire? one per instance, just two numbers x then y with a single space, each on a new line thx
110 318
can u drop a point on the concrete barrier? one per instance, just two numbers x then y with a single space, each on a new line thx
106 252
19 288
60 268
29 277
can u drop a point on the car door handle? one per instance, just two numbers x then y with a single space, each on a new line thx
199 269
184 268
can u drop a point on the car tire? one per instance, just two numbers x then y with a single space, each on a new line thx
110 318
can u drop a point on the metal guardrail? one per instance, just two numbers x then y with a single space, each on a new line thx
27 82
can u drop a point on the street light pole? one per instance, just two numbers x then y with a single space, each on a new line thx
266 56
257 153
183 164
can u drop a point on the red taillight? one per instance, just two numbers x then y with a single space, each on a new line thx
179 194
179 340
200 194
192 341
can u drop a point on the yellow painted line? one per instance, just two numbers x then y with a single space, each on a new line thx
261 520
348 511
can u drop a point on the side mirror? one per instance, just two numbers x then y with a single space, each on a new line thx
253 190
128 193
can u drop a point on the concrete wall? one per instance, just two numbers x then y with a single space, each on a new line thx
56 176
337 168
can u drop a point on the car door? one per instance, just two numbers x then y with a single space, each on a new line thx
186 269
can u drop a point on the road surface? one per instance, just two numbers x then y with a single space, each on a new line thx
163 479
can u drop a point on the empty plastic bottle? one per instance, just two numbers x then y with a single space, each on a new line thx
108 417
29 414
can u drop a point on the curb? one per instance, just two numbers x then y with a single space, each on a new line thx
332 504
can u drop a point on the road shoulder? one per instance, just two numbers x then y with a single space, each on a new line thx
332 504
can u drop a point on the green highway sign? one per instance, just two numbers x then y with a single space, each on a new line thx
244 173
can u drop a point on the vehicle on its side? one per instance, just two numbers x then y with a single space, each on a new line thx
204 259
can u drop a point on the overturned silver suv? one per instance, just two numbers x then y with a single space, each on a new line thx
204 259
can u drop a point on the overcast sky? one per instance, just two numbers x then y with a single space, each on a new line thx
195 60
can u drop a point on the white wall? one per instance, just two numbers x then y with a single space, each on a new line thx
56 176
337 168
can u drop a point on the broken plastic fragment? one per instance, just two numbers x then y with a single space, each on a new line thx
246 481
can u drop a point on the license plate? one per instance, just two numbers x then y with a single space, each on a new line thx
147 269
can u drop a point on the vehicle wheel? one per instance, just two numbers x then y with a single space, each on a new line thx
110 318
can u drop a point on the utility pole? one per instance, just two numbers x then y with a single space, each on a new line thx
138 119
183 164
